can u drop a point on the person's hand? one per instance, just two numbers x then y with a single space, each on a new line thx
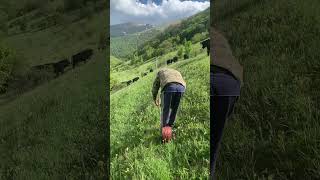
157 102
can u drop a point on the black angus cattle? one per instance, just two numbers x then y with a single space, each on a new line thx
175 59
129 82
151 70
144 74
81 56
206 44
59 66
185 56
135 79
169 61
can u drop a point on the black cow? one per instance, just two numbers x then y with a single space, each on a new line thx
185 56
129 82
206 44
59 66
151 70
169 61
81 56
135 79
175 59
144 74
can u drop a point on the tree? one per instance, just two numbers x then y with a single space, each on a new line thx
187 47
197 38
149 52
180 52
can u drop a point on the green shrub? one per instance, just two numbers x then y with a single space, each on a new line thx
10 66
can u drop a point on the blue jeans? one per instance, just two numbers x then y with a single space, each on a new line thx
224 92
170 100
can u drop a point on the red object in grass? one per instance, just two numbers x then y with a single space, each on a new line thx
166 134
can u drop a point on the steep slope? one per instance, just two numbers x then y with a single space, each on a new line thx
58 130
135 140
123 46
275 128
136 149
128 28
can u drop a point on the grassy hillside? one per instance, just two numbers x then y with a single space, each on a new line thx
58 130
127 28
136 149
58 42
122 70
135 140
124 46
275 130
194 28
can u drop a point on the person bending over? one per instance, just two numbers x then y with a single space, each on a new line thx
172 87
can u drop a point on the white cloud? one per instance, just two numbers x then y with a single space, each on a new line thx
169 10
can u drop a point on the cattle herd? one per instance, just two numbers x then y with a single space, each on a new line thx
173 60
137 78
59 67
205 44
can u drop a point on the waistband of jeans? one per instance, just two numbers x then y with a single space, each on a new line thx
219 70
171 83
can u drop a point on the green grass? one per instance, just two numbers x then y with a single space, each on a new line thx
136 151
122 70
274 133
124 46
58 42
58 130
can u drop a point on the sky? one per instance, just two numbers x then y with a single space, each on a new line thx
154 11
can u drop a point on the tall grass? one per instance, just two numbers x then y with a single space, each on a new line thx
58 130
275 129
136 151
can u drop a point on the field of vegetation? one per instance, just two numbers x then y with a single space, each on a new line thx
123 46
56 129
274 133
136 149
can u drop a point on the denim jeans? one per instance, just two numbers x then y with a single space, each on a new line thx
224 92
170 100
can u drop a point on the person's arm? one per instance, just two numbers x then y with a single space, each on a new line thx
155 88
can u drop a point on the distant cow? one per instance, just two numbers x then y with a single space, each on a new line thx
144 74
81 56
175 59
169 61
59 66
151 70
135 79
129 82
185 56
206 44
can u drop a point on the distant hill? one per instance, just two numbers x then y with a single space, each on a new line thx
122 46
128 28
194 28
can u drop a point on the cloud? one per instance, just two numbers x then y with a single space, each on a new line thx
169 10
